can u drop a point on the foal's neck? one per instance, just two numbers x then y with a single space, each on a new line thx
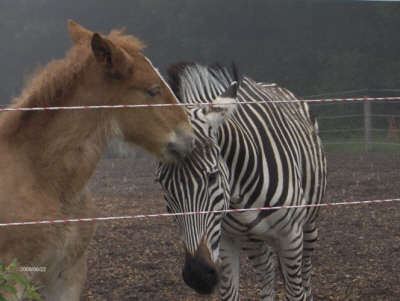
60 149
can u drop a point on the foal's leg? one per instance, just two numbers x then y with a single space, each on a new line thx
68 285
309 241
262 260
230 261
290 249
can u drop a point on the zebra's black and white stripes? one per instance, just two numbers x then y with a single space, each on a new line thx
249 156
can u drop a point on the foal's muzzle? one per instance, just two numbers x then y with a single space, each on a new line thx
180 146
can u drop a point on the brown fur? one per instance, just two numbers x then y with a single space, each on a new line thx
47 158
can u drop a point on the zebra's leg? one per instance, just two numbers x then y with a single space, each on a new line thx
262 260
230 265
310 236
290 249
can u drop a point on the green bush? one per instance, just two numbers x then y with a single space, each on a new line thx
8 279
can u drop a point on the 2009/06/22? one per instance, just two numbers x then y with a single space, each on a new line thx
32 269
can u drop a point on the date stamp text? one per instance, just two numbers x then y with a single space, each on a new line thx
32 269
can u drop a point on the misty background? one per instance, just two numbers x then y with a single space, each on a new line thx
313 48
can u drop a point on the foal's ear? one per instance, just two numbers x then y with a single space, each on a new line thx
79 34
108 55
223 108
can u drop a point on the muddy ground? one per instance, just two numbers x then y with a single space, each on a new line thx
357 258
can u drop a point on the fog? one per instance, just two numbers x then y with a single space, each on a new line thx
310 47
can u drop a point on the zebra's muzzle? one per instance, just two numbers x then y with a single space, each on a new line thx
199 272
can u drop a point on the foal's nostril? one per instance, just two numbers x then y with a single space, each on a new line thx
180 147
175 154
176 151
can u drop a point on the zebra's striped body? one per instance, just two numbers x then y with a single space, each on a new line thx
258 155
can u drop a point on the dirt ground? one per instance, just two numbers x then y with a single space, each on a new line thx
357 257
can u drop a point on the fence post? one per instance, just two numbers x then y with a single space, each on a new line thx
367 125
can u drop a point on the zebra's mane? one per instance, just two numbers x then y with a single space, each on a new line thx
192 82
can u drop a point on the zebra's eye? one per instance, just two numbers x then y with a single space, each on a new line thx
212 177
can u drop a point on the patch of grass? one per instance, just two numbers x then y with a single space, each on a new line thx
357 144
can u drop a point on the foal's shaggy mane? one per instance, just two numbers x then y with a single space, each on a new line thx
53 84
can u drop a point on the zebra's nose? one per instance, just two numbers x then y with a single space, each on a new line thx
199 272
200 276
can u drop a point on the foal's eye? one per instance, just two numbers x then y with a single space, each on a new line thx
153 92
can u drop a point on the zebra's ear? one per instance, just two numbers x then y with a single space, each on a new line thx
223 108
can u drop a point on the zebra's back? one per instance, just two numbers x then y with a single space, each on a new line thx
276 160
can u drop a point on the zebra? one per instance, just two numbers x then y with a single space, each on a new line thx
258 155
